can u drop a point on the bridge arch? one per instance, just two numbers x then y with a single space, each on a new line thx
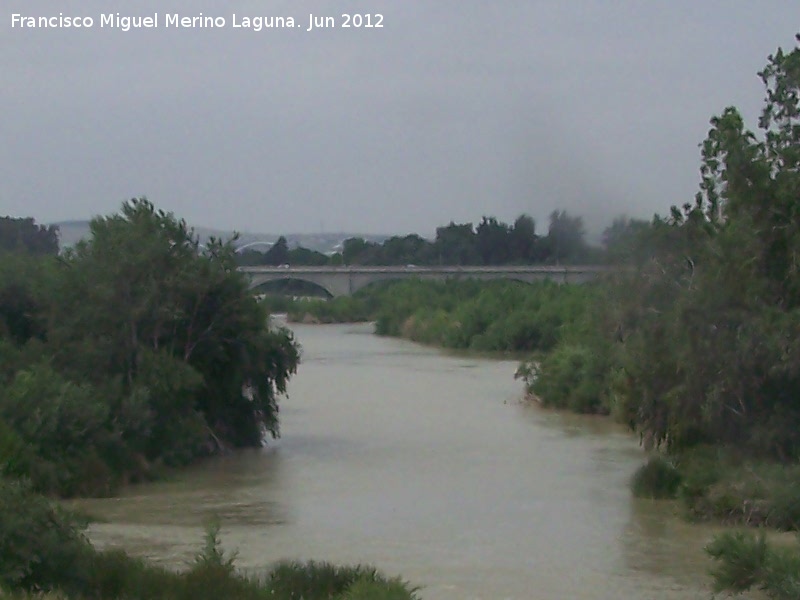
265 283
258 281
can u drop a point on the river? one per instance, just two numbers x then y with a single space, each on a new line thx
428 466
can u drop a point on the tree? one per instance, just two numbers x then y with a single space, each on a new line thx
25 236
492 239
357 251
715 313
304 256
455 245
403 250
139 302
24 296
523 240
627 240
278 254
566 238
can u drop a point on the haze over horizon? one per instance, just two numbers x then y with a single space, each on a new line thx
451 111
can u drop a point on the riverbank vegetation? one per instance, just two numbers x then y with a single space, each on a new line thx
132 352
496 316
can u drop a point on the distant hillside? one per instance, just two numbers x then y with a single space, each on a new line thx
70 232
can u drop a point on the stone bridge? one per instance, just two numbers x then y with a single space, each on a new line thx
344 281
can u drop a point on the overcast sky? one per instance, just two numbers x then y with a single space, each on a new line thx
453 110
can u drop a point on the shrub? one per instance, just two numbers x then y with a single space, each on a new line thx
746 561
315 579
572 377
741 558
381 589
114 574
657 478
41 546
784 510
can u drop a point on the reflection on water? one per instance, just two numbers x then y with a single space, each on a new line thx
428 466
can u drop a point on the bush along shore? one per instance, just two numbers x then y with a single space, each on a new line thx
496 316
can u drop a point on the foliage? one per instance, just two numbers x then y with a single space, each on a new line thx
212 554
345 309
291 579
26 237
41 546
24 296
134 349
571 377
658 478
62 428
370 589
727 486
742 558
565 238
278 254
746 561
494 316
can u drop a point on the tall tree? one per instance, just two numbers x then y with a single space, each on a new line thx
278 254
523 240
25 236
714 351
141 302
455 245
566 238
493 241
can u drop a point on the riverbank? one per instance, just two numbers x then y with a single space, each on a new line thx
585 370
503 317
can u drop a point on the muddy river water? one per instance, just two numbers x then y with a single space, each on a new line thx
428 466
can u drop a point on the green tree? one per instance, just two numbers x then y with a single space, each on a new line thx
141 303
523 241
304 256
357 251
566 238
25 236
626 241
493 241
278 254
24 297
714 315
455 245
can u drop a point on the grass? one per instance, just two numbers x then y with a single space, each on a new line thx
717 484
657 478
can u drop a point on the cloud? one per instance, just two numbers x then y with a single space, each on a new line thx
453 110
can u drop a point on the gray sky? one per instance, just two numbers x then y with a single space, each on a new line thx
454 109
